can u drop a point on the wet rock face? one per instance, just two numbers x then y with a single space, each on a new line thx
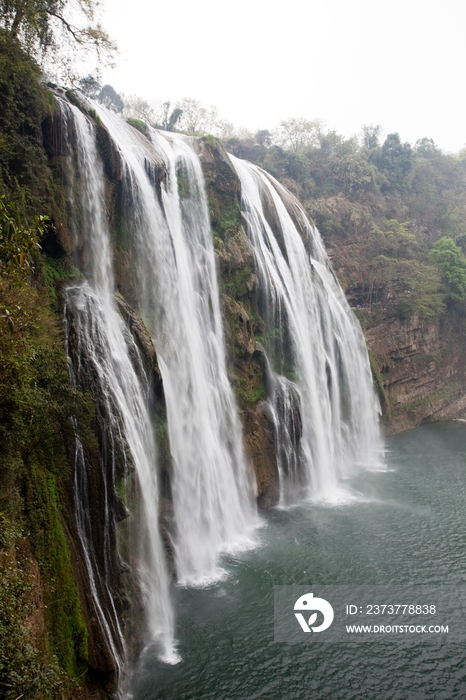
242 320
144 360
100 462
260 444
423 370
108 493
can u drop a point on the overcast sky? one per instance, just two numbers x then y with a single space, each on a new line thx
399 64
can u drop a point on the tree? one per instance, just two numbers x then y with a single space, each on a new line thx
297 134
43 25
157 114
90 86
138 108
109 98
198 119
263 138
174 118
395 160
451 263
426 147
371 135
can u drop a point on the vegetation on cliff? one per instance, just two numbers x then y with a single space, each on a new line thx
393 218
43 637
380 208
37 409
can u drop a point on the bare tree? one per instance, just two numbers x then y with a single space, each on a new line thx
297 134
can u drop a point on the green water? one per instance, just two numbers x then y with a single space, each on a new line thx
409 527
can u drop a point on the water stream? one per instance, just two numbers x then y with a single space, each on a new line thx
102 350
179 299
320 381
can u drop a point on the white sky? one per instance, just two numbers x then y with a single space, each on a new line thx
399 64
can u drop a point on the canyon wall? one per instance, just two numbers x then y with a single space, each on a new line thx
420 369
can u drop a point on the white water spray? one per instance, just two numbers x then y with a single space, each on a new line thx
103 349
320 380
179 300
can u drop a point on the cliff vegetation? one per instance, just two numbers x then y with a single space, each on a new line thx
43 634
393 219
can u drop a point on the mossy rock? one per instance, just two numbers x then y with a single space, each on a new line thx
139 125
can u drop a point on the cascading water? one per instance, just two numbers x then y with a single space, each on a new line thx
320 386
319 383
178 297
103 353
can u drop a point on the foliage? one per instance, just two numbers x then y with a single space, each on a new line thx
24 171
198 119
378 381
67 628
371 135
90 86
188 116
422 294
19 241
136 107
451 262
55 271
111 99
37 410
394 160
52 25
379 205
298 134
24 668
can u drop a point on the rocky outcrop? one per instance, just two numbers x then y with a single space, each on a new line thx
243 322
260 444
421 370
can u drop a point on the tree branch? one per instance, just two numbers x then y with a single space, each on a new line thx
72 30
16 22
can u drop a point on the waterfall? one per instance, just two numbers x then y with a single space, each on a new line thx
178 297
103 355
320 387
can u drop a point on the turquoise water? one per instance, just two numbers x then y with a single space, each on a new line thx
407 526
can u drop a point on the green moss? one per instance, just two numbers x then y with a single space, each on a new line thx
378 381
234 282
223 191
51 100
24 172
211 140
183 183
25 669
139 125
254 396
74 99
37 410
226 219
163 441
65 620
57 270
95 117
362 318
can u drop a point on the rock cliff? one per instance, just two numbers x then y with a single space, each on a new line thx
420 369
